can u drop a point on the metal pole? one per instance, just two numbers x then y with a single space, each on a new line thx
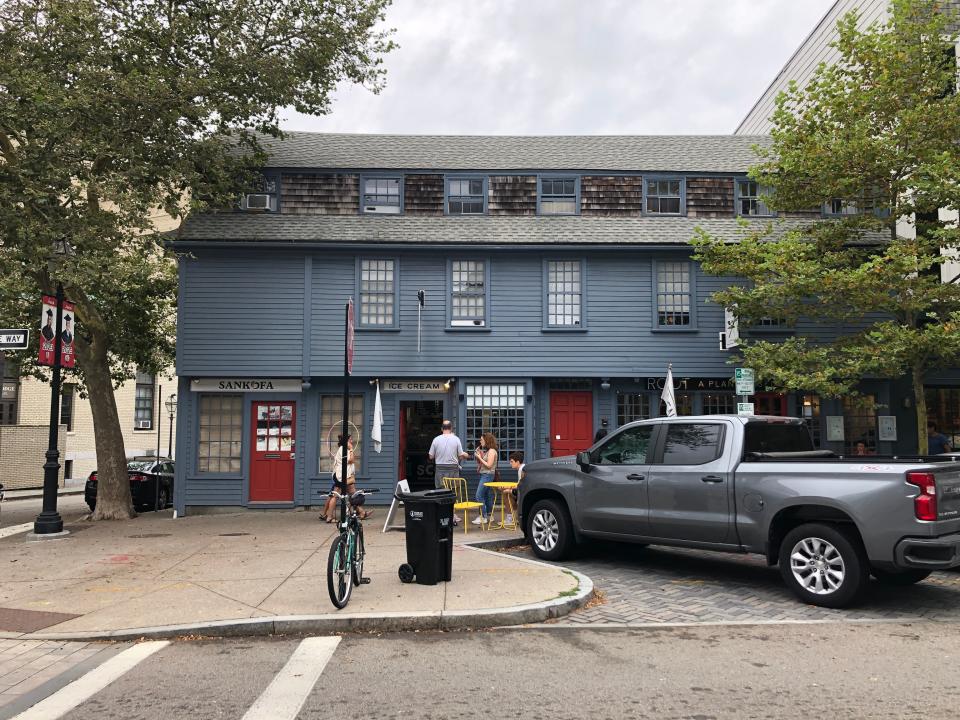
49 520
170 439
346 394
156 481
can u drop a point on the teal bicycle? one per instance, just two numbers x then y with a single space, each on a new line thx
345 562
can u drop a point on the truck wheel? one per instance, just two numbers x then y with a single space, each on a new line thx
824 565
901 578
550 530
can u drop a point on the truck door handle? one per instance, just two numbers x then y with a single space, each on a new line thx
634 476
712 479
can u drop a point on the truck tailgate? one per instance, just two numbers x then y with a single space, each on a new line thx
948 494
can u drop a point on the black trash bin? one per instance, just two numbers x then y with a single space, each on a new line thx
428 515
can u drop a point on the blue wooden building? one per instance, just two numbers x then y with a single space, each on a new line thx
556 286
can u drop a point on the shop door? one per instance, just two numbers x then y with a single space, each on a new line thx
420 421
770 404
571 422
272 454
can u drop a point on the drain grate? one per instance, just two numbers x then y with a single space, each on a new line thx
148 535
232 534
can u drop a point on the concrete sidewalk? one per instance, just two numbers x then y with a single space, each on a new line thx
256 573
72 488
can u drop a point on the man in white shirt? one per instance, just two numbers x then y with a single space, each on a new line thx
446 451
517 463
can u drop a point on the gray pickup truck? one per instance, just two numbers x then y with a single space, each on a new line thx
752 485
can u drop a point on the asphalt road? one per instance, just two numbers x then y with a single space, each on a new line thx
15 512
772 671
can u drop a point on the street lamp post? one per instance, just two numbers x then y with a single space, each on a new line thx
49 521
172 412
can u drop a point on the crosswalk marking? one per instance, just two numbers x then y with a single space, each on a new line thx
85 687
288 691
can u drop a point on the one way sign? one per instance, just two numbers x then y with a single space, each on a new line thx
14 339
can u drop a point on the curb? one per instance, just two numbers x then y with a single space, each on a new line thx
8 498
359 622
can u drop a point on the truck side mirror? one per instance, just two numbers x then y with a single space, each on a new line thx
583 460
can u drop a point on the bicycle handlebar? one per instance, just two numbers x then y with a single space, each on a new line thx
357 492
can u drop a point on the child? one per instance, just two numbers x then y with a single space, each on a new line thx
516 462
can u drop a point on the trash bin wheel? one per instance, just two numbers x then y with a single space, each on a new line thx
406 573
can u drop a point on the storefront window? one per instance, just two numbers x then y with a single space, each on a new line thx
496 409
719 404
943 408
331 420
810 409
632 406
860 423
221 427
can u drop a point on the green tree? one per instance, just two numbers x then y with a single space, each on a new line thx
112 111
876 135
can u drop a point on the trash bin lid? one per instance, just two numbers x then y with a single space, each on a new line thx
437 496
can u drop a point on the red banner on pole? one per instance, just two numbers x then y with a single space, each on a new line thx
350 325
48 333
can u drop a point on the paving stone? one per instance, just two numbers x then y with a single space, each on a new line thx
665 585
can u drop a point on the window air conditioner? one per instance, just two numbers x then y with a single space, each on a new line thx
466 323
257 201
144 424
381 209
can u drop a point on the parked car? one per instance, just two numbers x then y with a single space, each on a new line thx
752 485
144 474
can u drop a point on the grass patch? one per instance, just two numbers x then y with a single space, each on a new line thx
572 591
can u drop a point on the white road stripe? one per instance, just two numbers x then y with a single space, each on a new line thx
15 529
289 690
85 687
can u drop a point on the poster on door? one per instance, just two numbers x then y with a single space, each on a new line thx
48 316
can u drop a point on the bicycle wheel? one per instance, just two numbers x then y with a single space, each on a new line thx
339 577
358 552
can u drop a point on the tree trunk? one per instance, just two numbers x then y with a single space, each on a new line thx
113 483
920 403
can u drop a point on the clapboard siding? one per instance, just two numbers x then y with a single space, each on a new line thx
241 311
611 195
512 195
709 197
219 491
423 195
320 194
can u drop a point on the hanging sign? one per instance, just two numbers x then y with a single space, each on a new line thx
250 385
48 333
414 386
17 339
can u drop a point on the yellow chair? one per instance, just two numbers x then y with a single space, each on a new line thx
459 487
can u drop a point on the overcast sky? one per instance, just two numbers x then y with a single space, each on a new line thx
550 67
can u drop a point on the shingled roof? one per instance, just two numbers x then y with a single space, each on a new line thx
656 153
486 231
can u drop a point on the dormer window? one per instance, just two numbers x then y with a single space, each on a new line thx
381 195
466 195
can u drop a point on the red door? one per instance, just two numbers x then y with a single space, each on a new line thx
571 422
770 404
272 454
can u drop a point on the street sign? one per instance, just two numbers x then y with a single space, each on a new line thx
744 379
16 339
744 408
350 325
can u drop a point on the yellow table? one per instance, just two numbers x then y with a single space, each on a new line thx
501 488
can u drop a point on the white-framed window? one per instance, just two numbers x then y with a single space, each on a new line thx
564 286
331 422
220 440
143 402
378 291
381 195
719 404
468 293
751 199
674 294
632 406
663 196
466 195
559 195
497 408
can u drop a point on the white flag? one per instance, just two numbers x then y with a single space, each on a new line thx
375 431
667 394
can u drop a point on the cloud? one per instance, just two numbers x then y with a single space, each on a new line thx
547 67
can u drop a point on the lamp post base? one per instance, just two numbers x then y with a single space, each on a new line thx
48 523
36 537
